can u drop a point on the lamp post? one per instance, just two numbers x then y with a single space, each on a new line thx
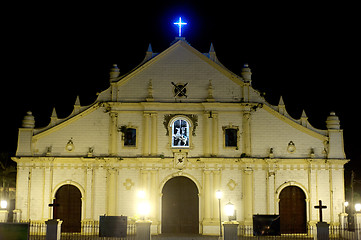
219 197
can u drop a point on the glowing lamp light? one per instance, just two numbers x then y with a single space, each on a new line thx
141 194
345 204
358 207
219 194
229 210
3 204
144 209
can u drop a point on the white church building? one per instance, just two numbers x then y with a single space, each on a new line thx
179 127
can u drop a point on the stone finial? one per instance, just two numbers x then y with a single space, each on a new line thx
333 121
29 120
246 73
281 106
114 73
212 53
304 119
210 92
53 117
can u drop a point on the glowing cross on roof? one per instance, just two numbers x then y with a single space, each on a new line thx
180 24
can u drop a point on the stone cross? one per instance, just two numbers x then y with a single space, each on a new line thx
320 207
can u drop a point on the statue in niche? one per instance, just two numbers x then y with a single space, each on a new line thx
180 136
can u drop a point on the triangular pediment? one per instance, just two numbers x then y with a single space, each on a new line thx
200 78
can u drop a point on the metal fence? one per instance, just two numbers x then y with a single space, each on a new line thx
89 231
335 232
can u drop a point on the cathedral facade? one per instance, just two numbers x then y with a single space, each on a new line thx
177 128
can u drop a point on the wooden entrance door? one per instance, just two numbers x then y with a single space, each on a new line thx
68 198
292 208
180 209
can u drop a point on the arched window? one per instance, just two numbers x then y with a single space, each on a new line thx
180 133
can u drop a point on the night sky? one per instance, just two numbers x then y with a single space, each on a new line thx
308 53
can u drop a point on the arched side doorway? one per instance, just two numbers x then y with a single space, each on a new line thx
180 206
68 199
292 209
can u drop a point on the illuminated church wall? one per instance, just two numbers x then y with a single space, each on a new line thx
126 141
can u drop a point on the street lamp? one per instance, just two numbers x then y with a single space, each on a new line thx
219 196
3 204
358 207
143 209
143 205
229 210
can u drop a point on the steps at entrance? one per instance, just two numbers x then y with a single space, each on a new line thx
183 237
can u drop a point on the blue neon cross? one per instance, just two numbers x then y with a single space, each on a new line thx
180 24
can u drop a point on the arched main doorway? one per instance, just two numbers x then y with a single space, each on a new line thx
292 208
68 200
180 209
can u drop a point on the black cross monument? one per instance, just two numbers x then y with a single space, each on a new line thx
322 227
320 207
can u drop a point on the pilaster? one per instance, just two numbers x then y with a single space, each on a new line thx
146 135
113 134
215 134
248 196
154 138
206 135
207 196
216 186
112 192
246 143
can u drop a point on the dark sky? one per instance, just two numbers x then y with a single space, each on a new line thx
308 53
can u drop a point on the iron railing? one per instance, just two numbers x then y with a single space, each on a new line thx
89 231
335 232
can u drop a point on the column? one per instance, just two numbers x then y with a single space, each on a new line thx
89 193
113 134
112 192
215 134
248 196
271 191
206 135
154 138
246 143
216 186
207 196
48 182
154 196
146 135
